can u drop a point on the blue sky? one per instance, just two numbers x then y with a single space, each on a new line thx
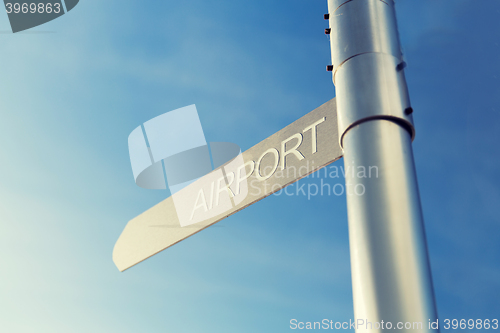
72 90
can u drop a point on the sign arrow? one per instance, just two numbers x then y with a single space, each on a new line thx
292 153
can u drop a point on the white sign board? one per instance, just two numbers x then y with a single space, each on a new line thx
294 152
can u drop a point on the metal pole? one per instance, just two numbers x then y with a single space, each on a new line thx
392 285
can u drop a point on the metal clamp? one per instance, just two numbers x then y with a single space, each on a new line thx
367 60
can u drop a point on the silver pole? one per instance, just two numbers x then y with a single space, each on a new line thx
392 285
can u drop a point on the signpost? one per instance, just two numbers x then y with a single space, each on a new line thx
390 268
292 153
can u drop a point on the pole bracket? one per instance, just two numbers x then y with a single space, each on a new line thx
368 64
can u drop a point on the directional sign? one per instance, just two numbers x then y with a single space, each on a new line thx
294 152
